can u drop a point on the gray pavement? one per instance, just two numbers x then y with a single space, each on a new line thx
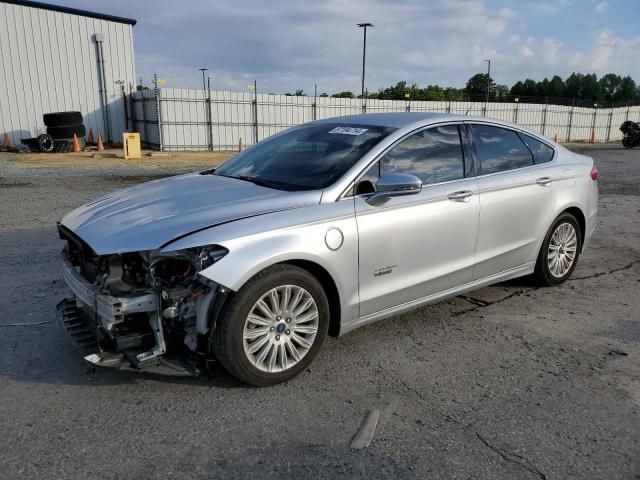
509 381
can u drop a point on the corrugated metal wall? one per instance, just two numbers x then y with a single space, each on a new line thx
49 64
188 121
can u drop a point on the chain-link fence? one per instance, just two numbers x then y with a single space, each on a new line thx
181 119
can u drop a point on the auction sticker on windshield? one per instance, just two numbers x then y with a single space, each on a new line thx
349 130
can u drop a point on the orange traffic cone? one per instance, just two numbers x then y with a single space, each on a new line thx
90 140
76 145
593 136
555 137
6 142
100 145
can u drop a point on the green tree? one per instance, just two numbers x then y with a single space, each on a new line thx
574 88
501 92
477 85
627 90
591 89
345 94
517 89
530 88
556 87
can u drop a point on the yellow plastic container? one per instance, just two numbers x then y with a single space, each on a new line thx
131 145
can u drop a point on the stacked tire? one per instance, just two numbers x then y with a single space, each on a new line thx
61 126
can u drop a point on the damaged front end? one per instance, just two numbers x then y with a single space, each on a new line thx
146 311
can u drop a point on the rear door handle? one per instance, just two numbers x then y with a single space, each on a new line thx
461 196
544 181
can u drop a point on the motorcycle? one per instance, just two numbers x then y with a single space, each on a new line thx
631 134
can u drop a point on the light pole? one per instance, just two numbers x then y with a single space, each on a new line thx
204 85
364 50
488 82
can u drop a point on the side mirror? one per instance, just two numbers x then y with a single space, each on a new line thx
395 185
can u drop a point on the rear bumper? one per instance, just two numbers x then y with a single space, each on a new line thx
592 214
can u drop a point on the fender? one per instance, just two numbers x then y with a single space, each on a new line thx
258 242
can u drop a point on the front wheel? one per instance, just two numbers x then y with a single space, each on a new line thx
559 252
273 327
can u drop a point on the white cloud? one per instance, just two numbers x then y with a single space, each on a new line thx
288 45
601 7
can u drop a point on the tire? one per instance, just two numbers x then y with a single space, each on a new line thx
232 348
61 119
63 146
544 274
45 143
67 131
628 142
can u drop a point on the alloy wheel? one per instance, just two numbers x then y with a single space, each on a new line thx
280 328
562 250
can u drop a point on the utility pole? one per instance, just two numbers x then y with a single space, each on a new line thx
204 84
486 101
364 50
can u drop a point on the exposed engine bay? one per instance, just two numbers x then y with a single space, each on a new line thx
146 310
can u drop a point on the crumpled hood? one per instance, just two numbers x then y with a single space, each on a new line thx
149 215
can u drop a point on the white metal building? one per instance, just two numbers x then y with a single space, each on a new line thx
55 58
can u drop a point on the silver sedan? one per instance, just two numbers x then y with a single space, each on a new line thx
318 230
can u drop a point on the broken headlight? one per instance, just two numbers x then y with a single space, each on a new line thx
181 267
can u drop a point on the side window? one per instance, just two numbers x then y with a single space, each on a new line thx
433 155
542 153
499 149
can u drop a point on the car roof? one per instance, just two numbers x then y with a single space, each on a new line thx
410 120
393 119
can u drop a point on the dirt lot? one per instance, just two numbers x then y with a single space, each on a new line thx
506 382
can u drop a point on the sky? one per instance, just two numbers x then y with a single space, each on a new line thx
293 45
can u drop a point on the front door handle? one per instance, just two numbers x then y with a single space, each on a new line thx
544 181
461 196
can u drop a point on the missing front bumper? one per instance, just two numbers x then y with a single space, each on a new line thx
90 313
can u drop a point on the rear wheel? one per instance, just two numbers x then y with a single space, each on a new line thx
559 252
273 327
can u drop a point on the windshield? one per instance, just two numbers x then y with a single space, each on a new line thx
309 157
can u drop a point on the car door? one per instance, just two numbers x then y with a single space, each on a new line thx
417 245
517 197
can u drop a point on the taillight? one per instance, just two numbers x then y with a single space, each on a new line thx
594 173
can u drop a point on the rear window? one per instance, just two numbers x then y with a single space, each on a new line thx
542 153
499 149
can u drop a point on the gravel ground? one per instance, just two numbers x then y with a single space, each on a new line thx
506 382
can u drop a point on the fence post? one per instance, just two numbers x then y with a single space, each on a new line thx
156 94
314 111
449 106
209 115
593 124
144 119
610 120
544 115
515 112
125 107
132 109
255 111
626 118
570 120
